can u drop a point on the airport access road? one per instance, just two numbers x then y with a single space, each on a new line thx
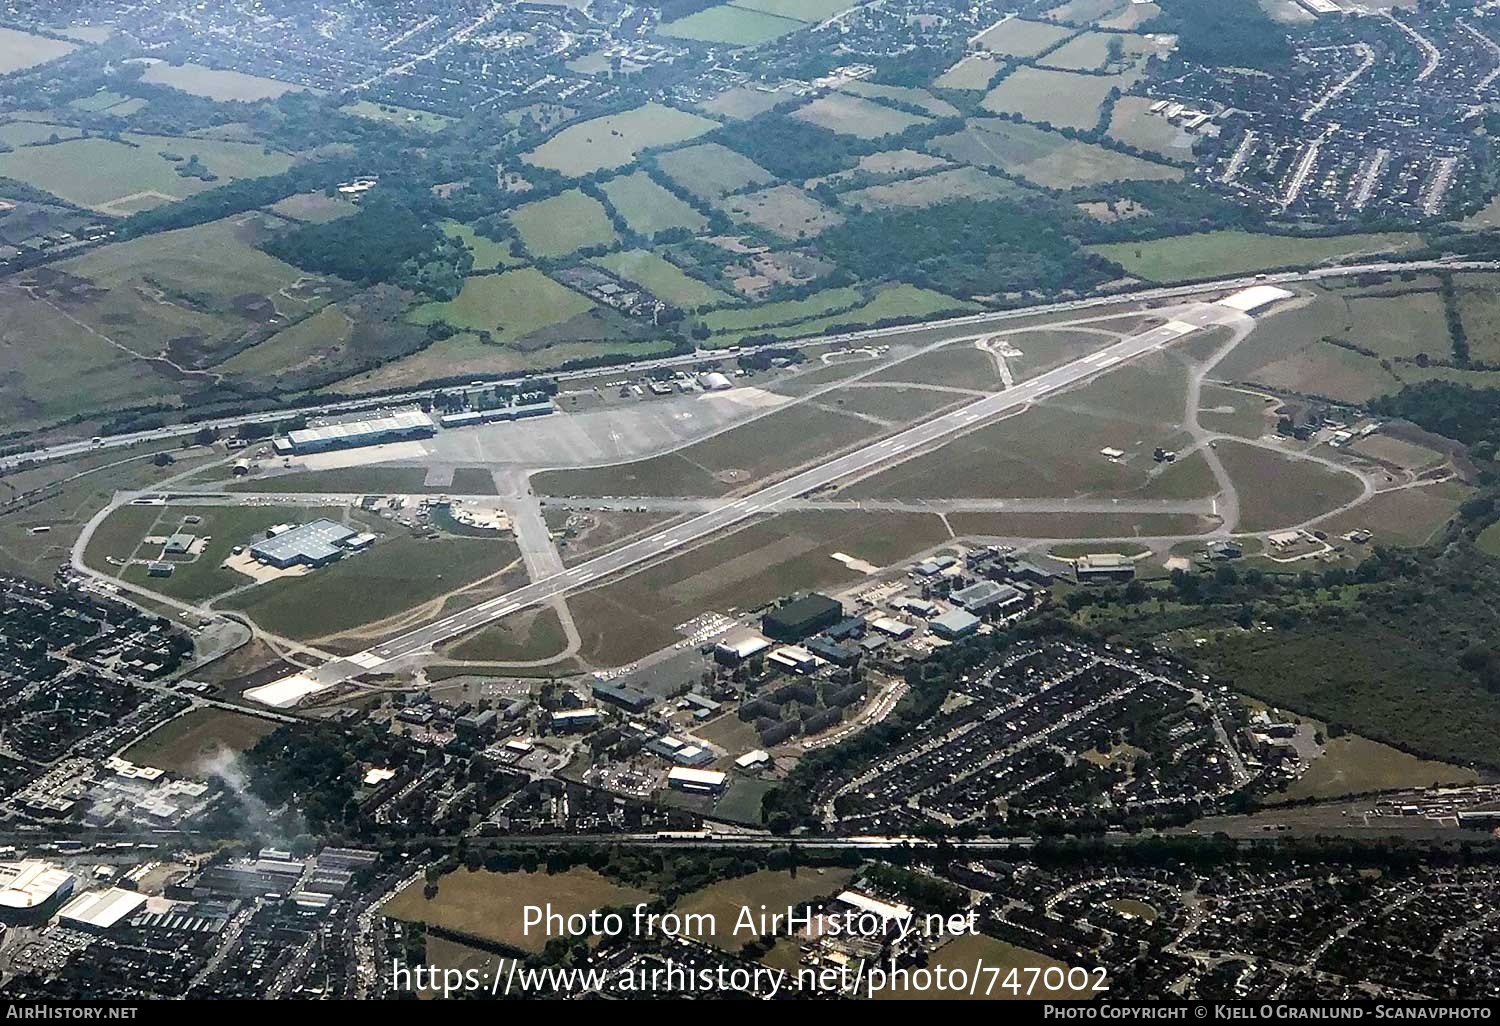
769 499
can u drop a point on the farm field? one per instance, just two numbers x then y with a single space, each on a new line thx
662 278
121 177
649 208
771 888
1489 540
790 311
1228 253
616 139
20 50
904 95
939 187
310 339
847 114
629 619
1062 99
1131 122
395 575
1090 51
512 304
726 23
312 207
490 905
710 171
744 102
187 744
1017 37
784 210
810 11
1277 492
1355 765
972 74
563 224
489 255
215 84
1046 158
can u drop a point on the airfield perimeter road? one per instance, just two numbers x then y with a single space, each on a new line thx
768 499
873 336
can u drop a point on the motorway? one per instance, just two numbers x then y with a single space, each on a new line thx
767 500
872 335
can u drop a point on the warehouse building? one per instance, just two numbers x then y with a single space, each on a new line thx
734 649
626 698
802 618
316 544
98 911
31 890
984 596
396 426
697 781
955 624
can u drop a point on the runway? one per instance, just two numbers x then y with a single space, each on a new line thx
768 500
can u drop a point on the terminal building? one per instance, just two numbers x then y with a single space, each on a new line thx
316 544
396 426
520 411
1104 566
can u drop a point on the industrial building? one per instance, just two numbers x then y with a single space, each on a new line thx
565 720
396 426
626 698
802 618
984 596
98 911
954 624
697 781
519 411
734 649
316 544
31 890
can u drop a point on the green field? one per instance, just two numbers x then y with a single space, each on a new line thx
1132 122
1489 540
1062 99
397 574
930 190
310 339
1278 492
1354 765
790 311
1016 37
972 74
890 302
662 278
215 84
120 177
1228 253
769 888
783 210
200 293
467 353
489 255
649 208
563 224
186 744
372 481
616 139
525 637
711 171
405 117
491 905
810 11
512 305
1046 158
856 116
23 50
727 23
